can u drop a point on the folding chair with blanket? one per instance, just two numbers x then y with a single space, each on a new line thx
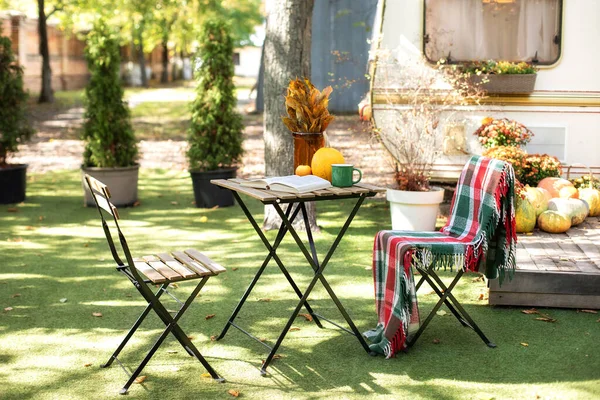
480 234
159 269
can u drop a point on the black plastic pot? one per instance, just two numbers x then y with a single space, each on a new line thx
13 180
208 195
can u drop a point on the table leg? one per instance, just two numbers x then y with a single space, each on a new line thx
318 269
272 254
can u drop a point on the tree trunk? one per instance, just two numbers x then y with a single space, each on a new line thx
287 56
46 94
142 58
164 78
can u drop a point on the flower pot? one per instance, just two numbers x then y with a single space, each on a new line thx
208 195
510 83
414 211
305 146
13 180
122 182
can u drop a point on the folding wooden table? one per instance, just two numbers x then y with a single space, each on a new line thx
296 205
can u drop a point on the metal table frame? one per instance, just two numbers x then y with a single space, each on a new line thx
295 207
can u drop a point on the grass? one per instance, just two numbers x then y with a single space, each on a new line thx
52 248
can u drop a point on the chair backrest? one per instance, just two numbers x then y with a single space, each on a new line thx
477 200
101 195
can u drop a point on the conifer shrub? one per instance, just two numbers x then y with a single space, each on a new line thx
15 128
107 132
215 134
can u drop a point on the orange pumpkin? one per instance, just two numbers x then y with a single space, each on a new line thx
554 186
322 160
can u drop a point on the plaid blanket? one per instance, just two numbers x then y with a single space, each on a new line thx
479 233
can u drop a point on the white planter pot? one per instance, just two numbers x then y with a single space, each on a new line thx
414 211
122 182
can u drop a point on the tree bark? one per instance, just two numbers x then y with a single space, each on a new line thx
142 58
46 92
164 78
287 56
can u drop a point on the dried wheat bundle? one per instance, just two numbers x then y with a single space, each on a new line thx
307 107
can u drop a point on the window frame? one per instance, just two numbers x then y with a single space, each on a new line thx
425 40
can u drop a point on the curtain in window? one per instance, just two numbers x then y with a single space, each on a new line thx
492 29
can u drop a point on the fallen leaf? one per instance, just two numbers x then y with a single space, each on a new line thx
277 356
213 338
191 337
234 268
436 341
137 203
481 296
97 314
441 313
174 286
524 344
171 351
234 393
87 365
215 207
209 316
8 309
63 300
265 300
86 245
140 379
545 319
529 234
29 228
206 375
16 295
530 311
262 339
598 320
204 218
41 218
308 317
174 203
294 328
589 311
12 209
564 259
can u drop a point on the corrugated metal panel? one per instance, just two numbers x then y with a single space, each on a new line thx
340 50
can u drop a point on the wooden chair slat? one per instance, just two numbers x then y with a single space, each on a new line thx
147 270
98 186
204 260
164 269
176 266
191 263
257 194
107 206
372 188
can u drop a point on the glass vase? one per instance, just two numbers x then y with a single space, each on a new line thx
305 146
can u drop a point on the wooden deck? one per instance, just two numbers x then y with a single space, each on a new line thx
555 270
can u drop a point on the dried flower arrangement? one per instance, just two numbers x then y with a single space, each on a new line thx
307 107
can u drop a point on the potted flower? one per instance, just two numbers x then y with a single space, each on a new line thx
412 133
14 126
215 134
110 148
502 76
307 118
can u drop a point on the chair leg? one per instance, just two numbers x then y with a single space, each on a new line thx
135 326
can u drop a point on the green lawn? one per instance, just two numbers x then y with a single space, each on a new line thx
52 248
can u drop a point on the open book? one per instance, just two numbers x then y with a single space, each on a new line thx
290 183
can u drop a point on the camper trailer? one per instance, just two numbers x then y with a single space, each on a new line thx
560 37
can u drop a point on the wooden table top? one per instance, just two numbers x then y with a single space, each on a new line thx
270 196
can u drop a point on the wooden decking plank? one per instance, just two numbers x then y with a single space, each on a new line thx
255 193
148 271
539 255
163 268
524 261
587 247
204 260
176 265
556 254
191 263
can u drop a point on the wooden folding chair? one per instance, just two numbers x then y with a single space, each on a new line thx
159 269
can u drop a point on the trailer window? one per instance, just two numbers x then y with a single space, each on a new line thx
477 30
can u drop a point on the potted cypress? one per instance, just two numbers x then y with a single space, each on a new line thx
215 134
110 149
14 126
